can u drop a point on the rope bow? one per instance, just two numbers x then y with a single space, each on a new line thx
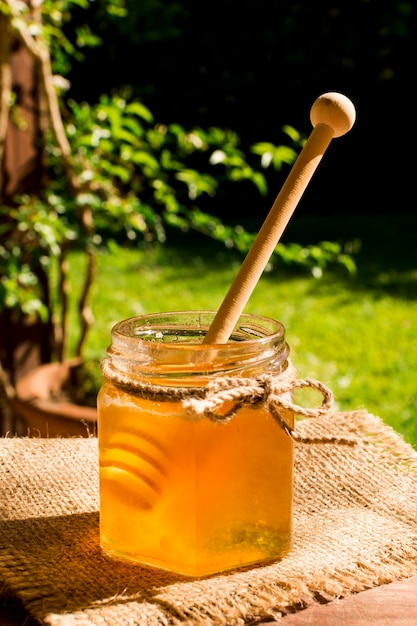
274 393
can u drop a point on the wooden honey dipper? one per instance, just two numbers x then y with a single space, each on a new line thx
332 115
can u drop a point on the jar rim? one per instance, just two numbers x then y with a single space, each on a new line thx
172 342
250 329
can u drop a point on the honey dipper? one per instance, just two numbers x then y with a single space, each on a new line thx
331 115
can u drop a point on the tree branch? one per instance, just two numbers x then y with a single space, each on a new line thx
39 50
5 88
84 309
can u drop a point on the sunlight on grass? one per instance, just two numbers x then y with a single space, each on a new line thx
361 343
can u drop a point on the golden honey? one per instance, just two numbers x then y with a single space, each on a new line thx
181 492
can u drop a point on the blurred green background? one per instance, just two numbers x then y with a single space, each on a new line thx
183 120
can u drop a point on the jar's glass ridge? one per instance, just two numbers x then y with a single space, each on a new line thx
150 344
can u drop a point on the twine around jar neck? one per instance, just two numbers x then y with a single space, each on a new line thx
270 391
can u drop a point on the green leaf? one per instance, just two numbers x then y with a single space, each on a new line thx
139 109
143 158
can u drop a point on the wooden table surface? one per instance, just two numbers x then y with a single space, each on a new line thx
389 605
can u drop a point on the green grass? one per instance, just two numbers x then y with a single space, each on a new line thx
357 334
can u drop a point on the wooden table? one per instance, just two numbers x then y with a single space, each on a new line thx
394 604
389 605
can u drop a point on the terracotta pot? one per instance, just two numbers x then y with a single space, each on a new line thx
45 415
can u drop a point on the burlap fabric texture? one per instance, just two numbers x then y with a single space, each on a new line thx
355 527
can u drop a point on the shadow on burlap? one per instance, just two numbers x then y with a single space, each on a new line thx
355 527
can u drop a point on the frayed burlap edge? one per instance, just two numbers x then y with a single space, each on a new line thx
355 528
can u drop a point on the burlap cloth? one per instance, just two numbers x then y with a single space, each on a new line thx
355 527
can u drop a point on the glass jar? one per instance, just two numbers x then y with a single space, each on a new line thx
196 475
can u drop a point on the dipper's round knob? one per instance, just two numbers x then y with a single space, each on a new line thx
335 110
